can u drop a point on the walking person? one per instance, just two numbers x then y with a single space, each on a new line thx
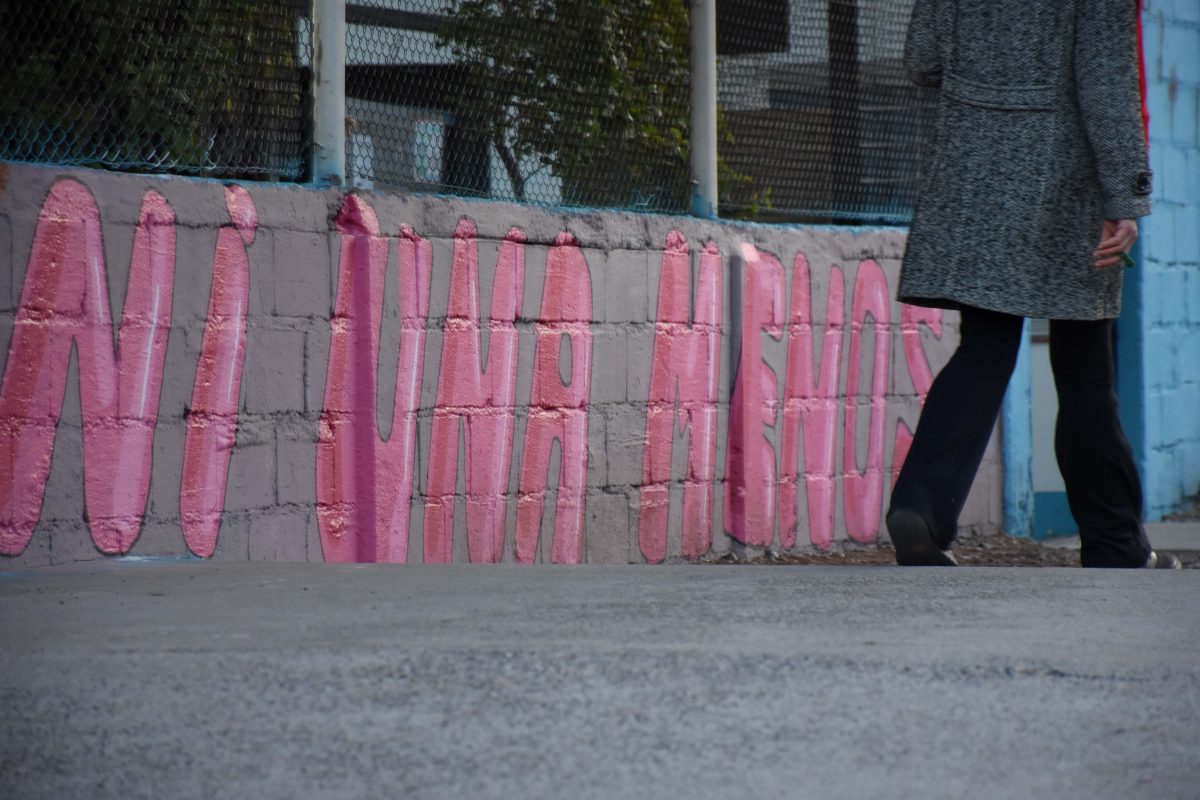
1028 208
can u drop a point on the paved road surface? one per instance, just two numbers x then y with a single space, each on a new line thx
204 680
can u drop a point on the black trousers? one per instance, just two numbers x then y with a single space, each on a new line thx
1096 461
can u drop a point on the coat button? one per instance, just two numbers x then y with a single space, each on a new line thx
1141 184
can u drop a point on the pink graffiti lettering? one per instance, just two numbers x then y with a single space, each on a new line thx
811 405
911 318
481 396
365 484
863 492
65 300
684 376
212 417
750 458
558 410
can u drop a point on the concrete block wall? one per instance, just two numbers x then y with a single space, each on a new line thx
194 369
1171 256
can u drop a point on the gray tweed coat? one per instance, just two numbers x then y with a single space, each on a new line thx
1039 139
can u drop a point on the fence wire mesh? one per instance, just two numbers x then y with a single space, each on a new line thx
553 102
576 102
819 120
211 87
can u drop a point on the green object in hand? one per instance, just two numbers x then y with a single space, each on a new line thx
1127 261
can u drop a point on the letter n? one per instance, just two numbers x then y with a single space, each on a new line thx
862 493
65 301
481 398
810 405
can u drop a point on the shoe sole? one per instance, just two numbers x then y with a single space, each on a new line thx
914 543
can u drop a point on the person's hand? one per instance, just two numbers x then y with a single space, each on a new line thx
1116 237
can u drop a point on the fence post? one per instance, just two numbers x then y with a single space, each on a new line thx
703 30
329 91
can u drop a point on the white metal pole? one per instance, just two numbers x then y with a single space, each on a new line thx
704 108
329 91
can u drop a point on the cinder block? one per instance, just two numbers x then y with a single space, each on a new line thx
597 469
1175 177
439 283
279 535
1187 220
6 329
1159 360
526 345
70 541
1188 348
1159 234
432 368
1167 405
295 207
64 497
1153 422
1151 278
1174 296
233 542
301 267
316 366
626 287
625 427
273 376
607 529
1160 131
167 469
1180 50
193 277
1180 410
639 362
118 257
533 285
312 534
251 478
416 531
1183 111
179 370
1193 295
163 538
297 472
36 552
609 364
264 272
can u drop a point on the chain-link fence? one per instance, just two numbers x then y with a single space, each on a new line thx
578 102
210 87
819 120
572 102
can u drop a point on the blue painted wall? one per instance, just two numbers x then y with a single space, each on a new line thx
1168 443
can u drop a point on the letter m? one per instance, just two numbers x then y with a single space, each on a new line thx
685 370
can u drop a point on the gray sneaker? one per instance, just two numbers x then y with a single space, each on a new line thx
1163 560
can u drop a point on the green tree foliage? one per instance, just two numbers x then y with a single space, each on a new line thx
210 87
595 91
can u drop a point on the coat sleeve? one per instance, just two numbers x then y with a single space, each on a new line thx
922 53
1106 80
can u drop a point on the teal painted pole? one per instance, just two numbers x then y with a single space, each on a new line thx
1017 440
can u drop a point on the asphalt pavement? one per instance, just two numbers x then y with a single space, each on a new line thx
266 680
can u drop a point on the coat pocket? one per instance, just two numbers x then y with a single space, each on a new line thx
1001 97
